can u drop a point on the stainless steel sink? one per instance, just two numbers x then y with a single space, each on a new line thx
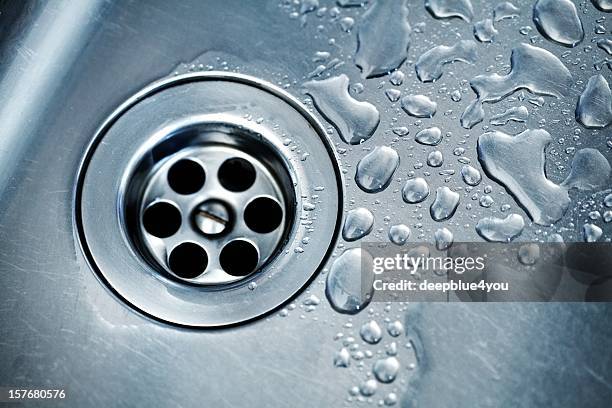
66 66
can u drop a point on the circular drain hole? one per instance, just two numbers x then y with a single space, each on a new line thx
186 177
237 174
161 219
188 260
263 215
194 153
239 258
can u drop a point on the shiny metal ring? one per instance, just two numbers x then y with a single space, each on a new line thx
208 118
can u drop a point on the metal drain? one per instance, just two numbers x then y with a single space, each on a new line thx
194 201
206 203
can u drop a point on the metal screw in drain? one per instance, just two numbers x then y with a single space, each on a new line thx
188 204
212 217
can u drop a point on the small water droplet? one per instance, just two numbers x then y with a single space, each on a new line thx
358 224
385 369
419 106
444 205
415 190
371 332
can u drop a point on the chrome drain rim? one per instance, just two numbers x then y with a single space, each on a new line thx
181 118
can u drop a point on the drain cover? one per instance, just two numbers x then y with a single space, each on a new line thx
208 199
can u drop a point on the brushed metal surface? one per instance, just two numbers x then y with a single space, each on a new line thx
65 66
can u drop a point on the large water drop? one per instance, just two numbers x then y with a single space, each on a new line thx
443 238
515 114
429 65
594 108
415 190
385 370
558 21
430 136
471 176
442 9
358 224
603 5
484 31
383 38
590 170
532 68
375 170
444 205
349 283
500 229
517 162
399 234
356 121
371 332
505 10
591 232
419 106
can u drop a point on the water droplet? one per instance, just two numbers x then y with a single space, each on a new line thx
383 38
484 31
346 24
471 176
500 229
603 5
486 201
430 63
516 114
368 388
443 9
594 109
444 205
607 216
308 206
444 239
375 170
395 328
456 96
533 68
517 162
358 224
555 238
435 158
308 6
431 136
506 10
385 369
590 170
591 232
419 106
354 120
391 399
605 44
371 332
349 282
342 358
311 300
529 254
415 190
608 200
398 234
558 21
393 94
397 78
400 130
